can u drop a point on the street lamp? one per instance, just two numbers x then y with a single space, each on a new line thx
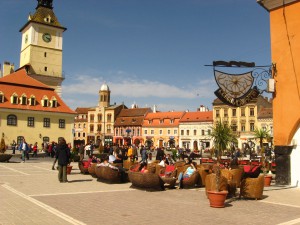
251 146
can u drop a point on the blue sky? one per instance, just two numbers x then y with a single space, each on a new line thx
149 52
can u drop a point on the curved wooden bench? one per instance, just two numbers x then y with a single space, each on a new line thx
192 181
5 157
148 181
108 174
91 169
83 166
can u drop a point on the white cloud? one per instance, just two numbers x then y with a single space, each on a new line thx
135 88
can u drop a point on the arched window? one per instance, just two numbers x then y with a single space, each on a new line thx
11 120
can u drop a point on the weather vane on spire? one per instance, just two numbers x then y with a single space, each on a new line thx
45 3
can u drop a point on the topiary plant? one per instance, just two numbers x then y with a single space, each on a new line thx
2 146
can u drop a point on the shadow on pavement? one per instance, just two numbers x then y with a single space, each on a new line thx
75 181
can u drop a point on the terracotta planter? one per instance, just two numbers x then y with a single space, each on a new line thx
69 169
268 180
217 199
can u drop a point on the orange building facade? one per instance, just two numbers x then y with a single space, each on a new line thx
285 50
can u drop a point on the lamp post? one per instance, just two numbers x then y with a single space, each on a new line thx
251 146
201 147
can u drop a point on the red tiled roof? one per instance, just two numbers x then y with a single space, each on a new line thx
134 112
20 83
164 115
82 110
129 121
155 119
197 117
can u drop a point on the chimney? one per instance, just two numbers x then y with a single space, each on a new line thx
8 68
154 108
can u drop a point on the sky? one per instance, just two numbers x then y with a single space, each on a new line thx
149 52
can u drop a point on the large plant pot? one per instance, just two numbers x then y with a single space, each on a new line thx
217 199
268 180
69 169
5 157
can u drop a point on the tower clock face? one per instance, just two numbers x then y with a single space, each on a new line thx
47 37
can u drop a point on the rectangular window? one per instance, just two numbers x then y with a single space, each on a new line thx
217 113
251 111
30 122
91 118
24 100
45 54
62 123
243 112
14 100
243 128
83 135
78 134
202 132
46 122
171 121
145 132
182 132
32 101
251 126
152 132
160 132
161 121
225 112
169 132
234 127
46 68
187 132
45 103
195 132
175 132
234 112
1 98
91 128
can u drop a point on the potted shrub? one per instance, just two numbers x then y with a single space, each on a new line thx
217 197
4 157
262 134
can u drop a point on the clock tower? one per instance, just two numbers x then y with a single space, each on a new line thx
41 49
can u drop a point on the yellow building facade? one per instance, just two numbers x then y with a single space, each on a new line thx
242 120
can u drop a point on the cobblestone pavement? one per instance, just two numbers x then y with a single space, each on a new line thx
31 194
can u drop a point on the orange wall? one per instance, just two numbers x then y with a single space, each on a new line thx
286 104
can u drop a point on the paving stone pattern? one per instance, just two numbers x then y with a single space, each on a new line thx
31 194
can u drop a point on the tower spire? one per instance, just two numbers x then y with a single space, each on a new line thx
45 3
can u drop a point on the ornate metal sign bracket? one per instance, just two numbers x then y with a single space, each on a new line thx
240 89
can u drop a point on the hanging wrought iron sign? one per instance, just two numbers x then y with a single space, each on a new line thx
240 89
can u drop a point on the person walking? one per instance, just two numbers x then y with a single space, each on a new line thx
24 148
13 146
63 158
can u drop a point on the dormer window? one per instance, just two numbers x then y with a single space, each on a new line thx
161 121
150 121
53 103
48 19
14 99
23 99
45 101
1 97
133 120
122 120
32 100
171 121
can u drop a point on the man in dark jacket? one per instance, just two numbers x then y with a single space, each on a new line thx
63 157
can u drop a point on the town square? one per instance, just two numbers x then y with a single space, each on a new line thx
100 144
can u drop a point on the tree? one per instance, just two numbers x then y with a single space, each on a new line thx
222 136
261 134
